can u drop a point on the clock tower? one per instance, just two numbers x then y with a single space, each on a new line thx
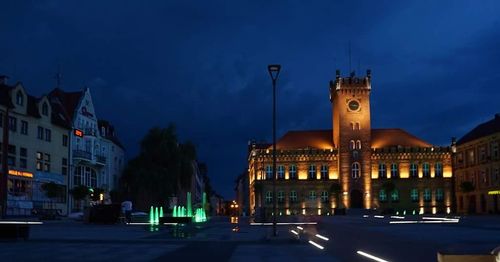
350 97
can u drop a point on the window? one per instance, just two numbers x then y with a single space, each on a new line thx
281 172
439 194
19 98
281 196
78 175
357 125
293 171
427 195
395 195
40 133
494 150
65 140
293 196
46 166
324 196
312 195
269 172
352 145
382 196
93 178
312 172
414 170
394 170
358 144
269 197
470 158
438 169
48 135
355 170
426 170
39 161
45 109
414 195
382 172
482 153
12 124
23 152
324 171
24 127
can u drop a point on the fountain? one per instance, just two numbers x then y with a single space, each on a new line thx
157 220
161 211
151 216
189 208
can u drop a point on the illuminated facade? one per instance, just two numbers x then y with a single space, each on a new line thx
477 163
350 165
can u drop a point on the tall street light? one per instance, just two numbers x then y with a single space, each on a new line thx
274 71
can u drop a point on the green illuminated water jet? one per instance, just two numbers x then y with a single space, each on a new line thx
174 212
161 211
157 220
189 208
151 216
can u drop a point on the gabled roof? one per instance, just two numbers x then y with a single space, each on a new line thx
387 137
323 139
320 139
69 100
482 130
110 132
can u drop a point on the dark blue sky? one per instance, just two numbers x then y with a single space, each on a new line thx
202 65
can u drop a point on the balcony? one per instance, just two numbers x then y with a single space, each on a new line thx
84 155
90 132
100 160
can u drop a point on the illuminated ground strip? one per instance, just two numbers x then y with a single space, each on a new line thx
398 217
322 237
440 218
299 227
316 244
371 256
379 216
281 224
146 224
424 222
20 223
365 215
295 232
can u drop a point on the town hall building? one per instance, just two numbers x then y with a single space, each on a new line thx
350 165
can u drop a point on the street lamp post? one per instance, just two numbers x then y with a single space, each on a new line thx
274 71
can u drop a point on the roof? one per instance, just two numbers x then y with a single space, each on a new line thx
323 139
69 100
387 137
5 96
109 133
482 130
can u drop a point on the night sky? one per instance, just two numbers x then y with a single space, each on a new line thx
203 65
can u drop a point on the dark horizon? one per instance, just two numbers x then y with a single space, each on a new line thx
204 66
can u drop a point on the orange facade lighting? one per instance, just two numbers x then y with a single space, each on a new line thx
20 173
78 133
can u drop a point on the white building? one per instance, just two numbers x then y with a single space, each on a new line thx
96 158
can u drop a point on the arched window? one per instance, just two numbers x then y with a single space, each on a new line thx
293 196
45 109
312 195
426 170
395 195
414 195
413 170
438 169
394 170
427 195
292 171
324 196
382 196
269 172
352 125
439 194
352 145
355 170
358 126
281 196
312 172
324 171
358 144
269 197
19 98
382 171
281 172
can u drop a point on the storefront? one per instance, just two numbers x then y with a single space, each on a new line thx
19 200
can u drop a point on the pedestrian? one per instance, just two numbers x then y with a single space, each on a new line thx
127 210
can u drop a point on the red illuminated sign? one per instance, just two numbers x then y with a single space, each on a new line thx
78 133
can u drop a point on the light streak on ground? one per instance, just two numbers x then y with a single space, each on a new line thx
424 222
322 237
371 256
299 227
398 217
378 216
20 223
316 244
281 224
295 232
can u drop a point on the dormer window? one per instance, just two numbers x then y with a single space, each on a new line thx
19 98
45 109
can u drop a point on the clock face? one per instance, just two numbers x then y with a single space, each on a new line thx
353 105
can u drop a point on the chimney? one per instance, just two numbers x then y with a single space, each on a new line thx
3 79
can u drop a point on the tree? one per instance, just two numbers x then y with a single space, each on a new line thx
79 193
52 190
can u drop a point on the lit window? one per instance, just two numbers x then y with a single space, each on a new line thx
293 172
439 194
312 195
324 196
382 172
413 170
394 170
281 196
395 195
438 169
414 195
352 145
312 172
355 170
19 98
427 195
324 171
269 197
426 170
293 196
382 196
269 172
358 144
358 126
281 172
